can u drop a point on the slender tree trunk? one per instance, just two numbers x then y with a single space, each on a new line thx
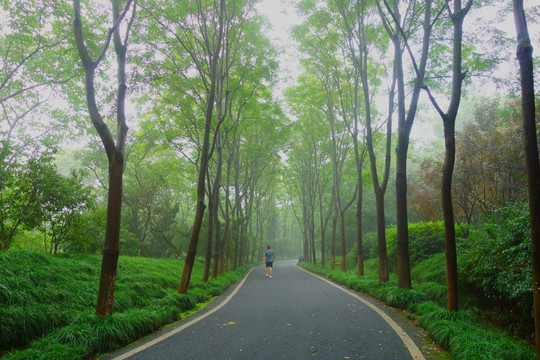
333 249
312 236
449 120
323 228
218 253
359 245
381 239
404 272
237 244
213 225
115 152
402 221
524 55
228 234
343 242
448 216
208 255
199 212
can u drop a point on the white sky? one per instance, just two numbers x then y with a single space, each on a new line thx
282 15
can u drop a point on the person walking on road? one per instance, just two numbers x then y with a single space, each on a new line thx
269 259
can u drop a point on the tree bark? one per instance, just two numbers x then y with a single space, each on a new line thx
449 120
524 55
343 242
115 152
333 247
199 212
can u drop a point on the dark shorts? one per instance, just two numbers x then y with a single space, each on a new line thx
269 263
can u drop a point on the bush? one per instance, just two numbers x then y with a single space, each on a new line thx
497 265
425 240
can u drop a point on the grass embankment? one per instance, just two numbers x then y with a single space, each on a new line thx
47 303
460 332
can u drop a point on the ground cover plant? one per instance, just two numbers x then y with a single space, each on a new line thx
462 333
47 303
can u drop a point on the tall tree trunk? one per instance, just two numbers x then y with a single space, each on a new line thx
312 236
213 221
405 123
402 221
343 242
228 234
323 228
333 248
208 255
359 245
199 212
115 152
449 161
111 251
449 120
524 55
384 275
218 246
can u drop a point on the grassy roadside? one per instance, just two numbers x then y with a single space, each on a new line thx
460 332
47 303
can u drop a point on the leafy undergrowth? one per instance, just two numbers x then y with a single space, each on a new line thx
460 332
47 303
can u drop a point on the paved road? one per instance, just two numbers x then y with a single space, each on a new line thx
294 315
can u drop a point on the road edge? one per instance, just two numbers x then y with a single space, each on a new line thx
414 350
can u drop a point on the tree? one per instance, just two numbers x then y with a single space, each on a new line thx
63 200
214 51
21 196
457 16
320 40
364 42
524 55
114 149
32 67
489 171
401 28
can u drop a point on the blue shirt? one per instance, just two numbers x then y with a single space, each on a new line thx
269 254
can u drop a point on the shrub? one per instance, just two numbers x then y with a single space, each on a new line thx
497 265
425 240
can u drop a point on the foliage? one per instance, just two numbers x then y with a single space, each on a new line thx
462 334
35 196
497 264
50 308
425 240
489 170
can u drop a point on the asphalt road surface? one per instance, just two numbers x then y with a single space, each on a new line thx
294 315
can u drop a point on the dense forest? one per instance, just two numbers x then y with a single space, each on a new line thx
164 129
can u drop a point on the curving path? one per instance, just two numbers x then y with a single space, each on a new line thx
294 315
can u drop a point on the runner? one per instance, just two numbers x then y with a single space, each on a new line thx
269 259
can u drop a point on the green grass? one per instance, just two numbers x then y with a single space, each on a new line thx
47 303
460 332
